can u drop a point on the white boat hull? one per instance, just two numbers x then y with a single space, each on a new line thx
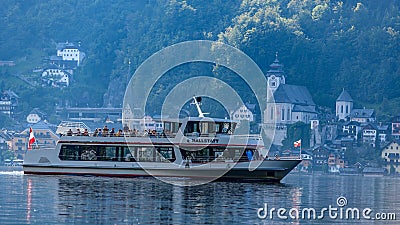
268 170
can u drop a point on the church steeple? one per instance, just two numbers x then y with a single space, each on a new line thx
344 105
275 75
276 68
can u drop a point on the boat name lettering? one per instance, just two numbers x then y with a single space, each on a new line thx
203 140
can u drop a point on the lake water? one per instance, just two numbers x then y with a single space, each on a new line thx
33 199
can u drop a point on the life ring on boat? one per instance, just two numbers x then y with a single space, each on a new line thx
85 155
92 155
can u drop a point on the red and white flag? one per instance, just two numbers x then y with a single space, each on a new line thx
297 143
31 138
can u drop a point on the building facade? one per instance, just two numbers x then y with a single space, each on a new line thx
8 103
70 52
286 104
391 157
55 76
243 113
344 105
35 116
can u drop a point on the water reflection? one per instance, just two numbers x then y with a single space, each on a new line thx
94 199
29 199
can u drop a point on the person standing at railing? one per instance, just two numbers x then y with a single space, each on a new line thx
105 131
85 133
95 133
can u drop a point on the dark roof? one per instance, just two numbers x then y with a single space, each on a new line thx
344 97
250 106
348 123
276 68
362 113
37 111
41 125
382 127
373 170
304 108
294 94
61 46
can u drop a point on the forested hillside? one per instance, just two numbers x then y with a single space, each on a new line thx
325 45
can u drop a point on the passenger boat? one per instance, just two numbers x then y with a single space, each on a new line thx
193 147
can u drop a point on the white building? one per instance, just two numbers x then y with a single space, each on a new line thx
290 103
148 124
8 103
344 105
69 52
35 116
55 76
243 113
286 104
346 112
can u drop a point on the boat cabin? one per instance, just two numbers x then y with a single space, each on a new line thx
203 127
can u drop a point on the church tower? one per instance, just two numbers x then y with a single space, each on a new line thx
344 105
275 76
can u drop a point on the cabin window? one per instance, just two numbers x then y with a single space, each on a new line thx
95 153
204 128
165 154
192 127
146 154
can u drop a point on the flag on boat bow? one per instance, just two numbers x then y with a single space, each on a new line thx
31 138
297 143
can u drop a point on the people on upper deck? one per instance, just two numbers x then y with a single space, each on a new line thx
100 133
85 133
112 132
126 128
119 133
78 132
105 131
69 132
95 133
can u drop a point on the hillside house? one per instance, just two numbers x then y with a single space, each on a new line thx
244 113
363 115
55 76
395 127
35 116
391 156
68 55
8 103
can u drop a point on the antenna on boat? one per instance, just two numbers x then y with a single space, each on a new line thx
197 102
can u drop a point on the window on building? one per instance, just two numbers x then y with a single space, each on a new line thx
288 114
341 109
283 114
347 109
272 113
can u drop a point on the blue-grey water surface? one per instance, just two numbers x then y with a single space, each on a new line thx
35 199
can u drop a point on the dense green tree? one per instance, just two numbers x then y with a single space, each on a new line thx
326 45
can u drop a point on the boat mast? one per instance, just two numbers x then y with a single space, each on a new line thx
197 101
